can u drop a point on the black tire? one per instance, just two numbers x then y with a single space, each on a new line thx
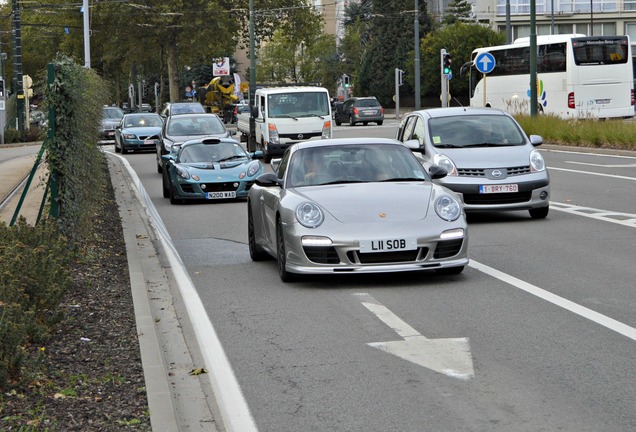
123 149
338 122
159 166
448 271
256 253
351 122
267 157
166 186
173 196
539 213
365 123
281 258
380 123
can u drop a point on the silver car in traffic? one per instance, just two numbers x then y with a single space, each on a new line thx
357 205
490 160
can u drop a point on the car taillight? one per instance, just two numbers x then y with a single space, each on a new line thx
633 97
382 110
355 111
571 100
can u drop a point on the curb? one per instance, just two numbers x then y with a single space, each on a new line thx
177 400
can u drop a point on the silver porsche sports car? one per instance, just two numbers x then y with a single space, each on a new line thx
356 205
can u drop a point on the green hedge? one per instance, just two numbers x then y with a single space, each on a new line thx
35 260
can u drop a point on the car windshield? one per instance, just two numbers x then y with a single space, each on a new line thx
305 104
474 131
199 125
142 121
113 113
186 108
221 152
359 163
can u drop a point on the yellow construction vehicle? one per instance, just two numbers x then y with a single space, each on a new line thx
219 98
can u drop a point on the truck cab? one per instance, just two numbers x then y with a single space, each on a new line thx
285 115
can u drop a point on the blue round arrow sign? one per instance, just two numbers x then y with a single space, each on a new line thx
485 62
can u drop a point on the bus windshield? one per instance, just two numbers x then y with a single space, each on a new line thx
599 51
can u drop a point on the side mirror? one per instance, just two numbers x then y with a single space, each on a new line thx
414 145
437 172
254 112
258 154
275 163
536 140
268 179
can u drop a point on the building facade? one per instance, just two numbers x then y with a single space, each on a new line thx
592 18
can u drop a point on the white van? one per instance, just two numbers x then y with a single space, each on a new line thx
285 115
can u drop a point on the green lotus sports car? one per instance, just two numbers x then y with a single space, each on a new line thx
209 169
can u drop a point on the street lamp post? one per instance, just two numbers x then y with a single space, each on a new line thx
417 55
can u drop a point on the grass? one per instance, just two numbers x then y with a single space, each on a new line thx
611 134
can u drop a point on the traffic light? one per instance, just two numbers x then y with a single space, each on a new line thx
345 80
447 64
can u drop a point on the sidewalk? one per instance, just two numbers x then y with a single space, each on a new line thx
12 181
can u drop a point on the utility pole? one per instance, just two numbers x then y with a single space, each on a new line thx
417 55
87 36
251 143
18 86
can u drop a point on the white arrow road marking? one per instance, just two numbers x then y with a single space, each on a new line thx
450 357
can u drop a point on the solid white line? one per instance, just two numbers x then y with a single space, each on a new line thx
587 153
592 173
601 165
235 413
582 311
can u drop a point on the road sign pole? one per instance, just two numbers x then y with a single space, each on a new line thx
484 78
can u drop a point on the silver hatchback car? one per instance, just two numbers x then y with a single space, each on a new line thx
492 164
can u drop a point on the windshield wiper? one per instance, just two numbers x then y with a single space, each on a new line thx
232 157
484 144
341 181
448 146
399 179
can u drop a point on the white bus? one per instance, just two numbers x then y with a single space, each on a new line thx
577 77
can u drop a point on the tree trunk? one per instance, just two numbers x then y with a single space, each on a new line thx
173 69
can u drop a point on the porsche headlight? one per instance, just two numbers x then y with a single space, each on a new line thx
446 163
448 208
309 215
253 168
536 161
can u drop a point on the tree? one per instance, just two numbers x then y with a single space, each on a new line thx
458 10
460 40
391 45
